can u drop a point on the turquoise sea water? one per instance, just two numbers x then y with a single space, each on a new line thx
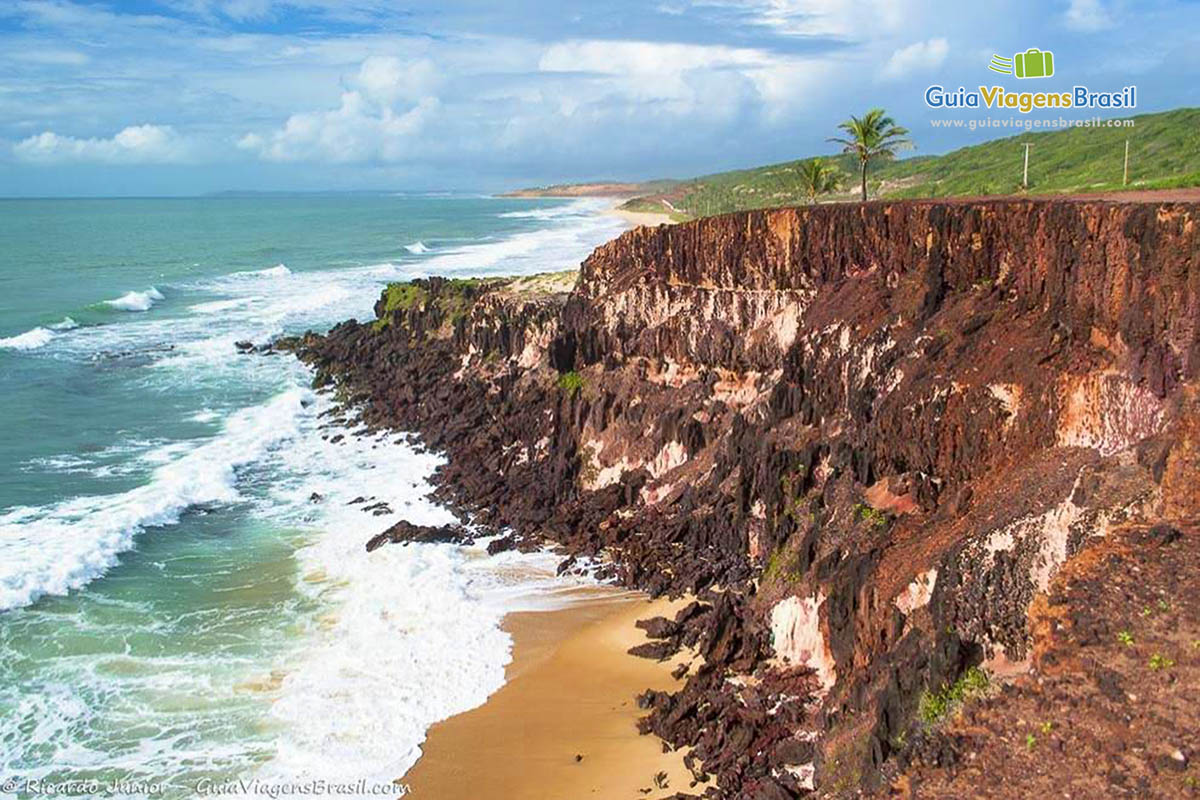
184 593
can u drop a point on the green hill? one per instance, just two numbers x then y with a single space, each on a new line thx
1164 152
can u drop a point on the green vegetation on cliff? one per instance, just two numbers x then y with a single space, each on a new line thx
401 297
1164 152
570 382
935 705
453 297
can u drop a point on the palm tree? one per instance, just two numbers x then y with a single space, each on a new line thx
874 135
817 177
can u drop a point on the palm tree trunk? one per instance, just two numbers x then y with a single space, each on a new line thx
864 180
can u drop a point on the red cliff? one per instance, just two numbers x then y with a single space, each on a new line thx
868 436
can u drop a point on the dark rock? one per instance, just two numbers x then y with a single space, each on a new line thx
794 751
1163 534
501 545
658 627
659 651
767 789
404 532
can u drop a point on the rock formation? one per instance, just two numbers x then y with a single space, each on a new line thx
867 437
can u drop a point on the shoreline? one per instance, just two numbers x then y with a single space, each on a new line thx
570 689
638 218
569 692
633 219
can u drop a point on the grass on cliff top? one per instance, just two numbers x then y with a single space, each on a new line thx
544 283
403 296
454 301
1164 153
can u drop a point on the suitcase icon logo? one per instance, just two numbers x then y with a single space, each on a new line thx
1033 63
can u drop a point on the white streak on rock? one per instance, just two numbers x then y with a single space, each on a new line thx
917 593
796 634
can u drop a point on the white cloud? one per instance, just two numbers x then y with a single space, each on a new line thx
377 120
136 144
459 91
680 74
837 18
691 78
78 17
246 9
1088 16
918 56
50 56
557 100
643 58
387 80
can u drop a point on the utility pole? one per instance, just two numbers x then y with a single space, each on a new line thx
1025 176
1125 179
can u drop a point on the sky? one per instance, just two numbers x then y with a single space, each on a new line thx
177 97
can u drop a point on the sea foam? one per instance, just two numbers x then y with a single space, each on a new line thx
571 233
56 548
29 340
416 248
277 271
386 643
413 635
578 209
37 337
136 301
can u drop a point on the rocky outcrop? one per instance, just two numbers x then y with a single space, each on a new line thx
404 532
869 436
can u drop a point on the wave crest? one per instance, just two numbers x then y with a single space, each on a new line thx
37 337
136 301
29 340
278 271
54 549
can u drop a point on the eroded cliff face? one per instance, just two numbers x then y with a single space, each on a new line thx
867 435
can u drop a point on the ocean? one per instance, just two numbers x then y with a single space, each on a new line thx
185 595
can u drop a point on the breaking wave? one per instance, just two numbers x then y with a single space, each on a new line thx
136 301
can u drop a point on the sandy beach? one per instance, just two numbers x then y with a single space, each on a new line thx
636 218
564 724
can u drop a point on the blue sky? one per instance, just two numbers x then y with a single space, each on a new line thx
189 96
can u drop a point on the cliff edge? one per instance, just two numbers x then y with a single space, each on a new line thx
885 445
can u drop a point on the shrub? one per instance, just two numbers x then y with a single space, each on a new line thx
570 382
936 706
872 516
